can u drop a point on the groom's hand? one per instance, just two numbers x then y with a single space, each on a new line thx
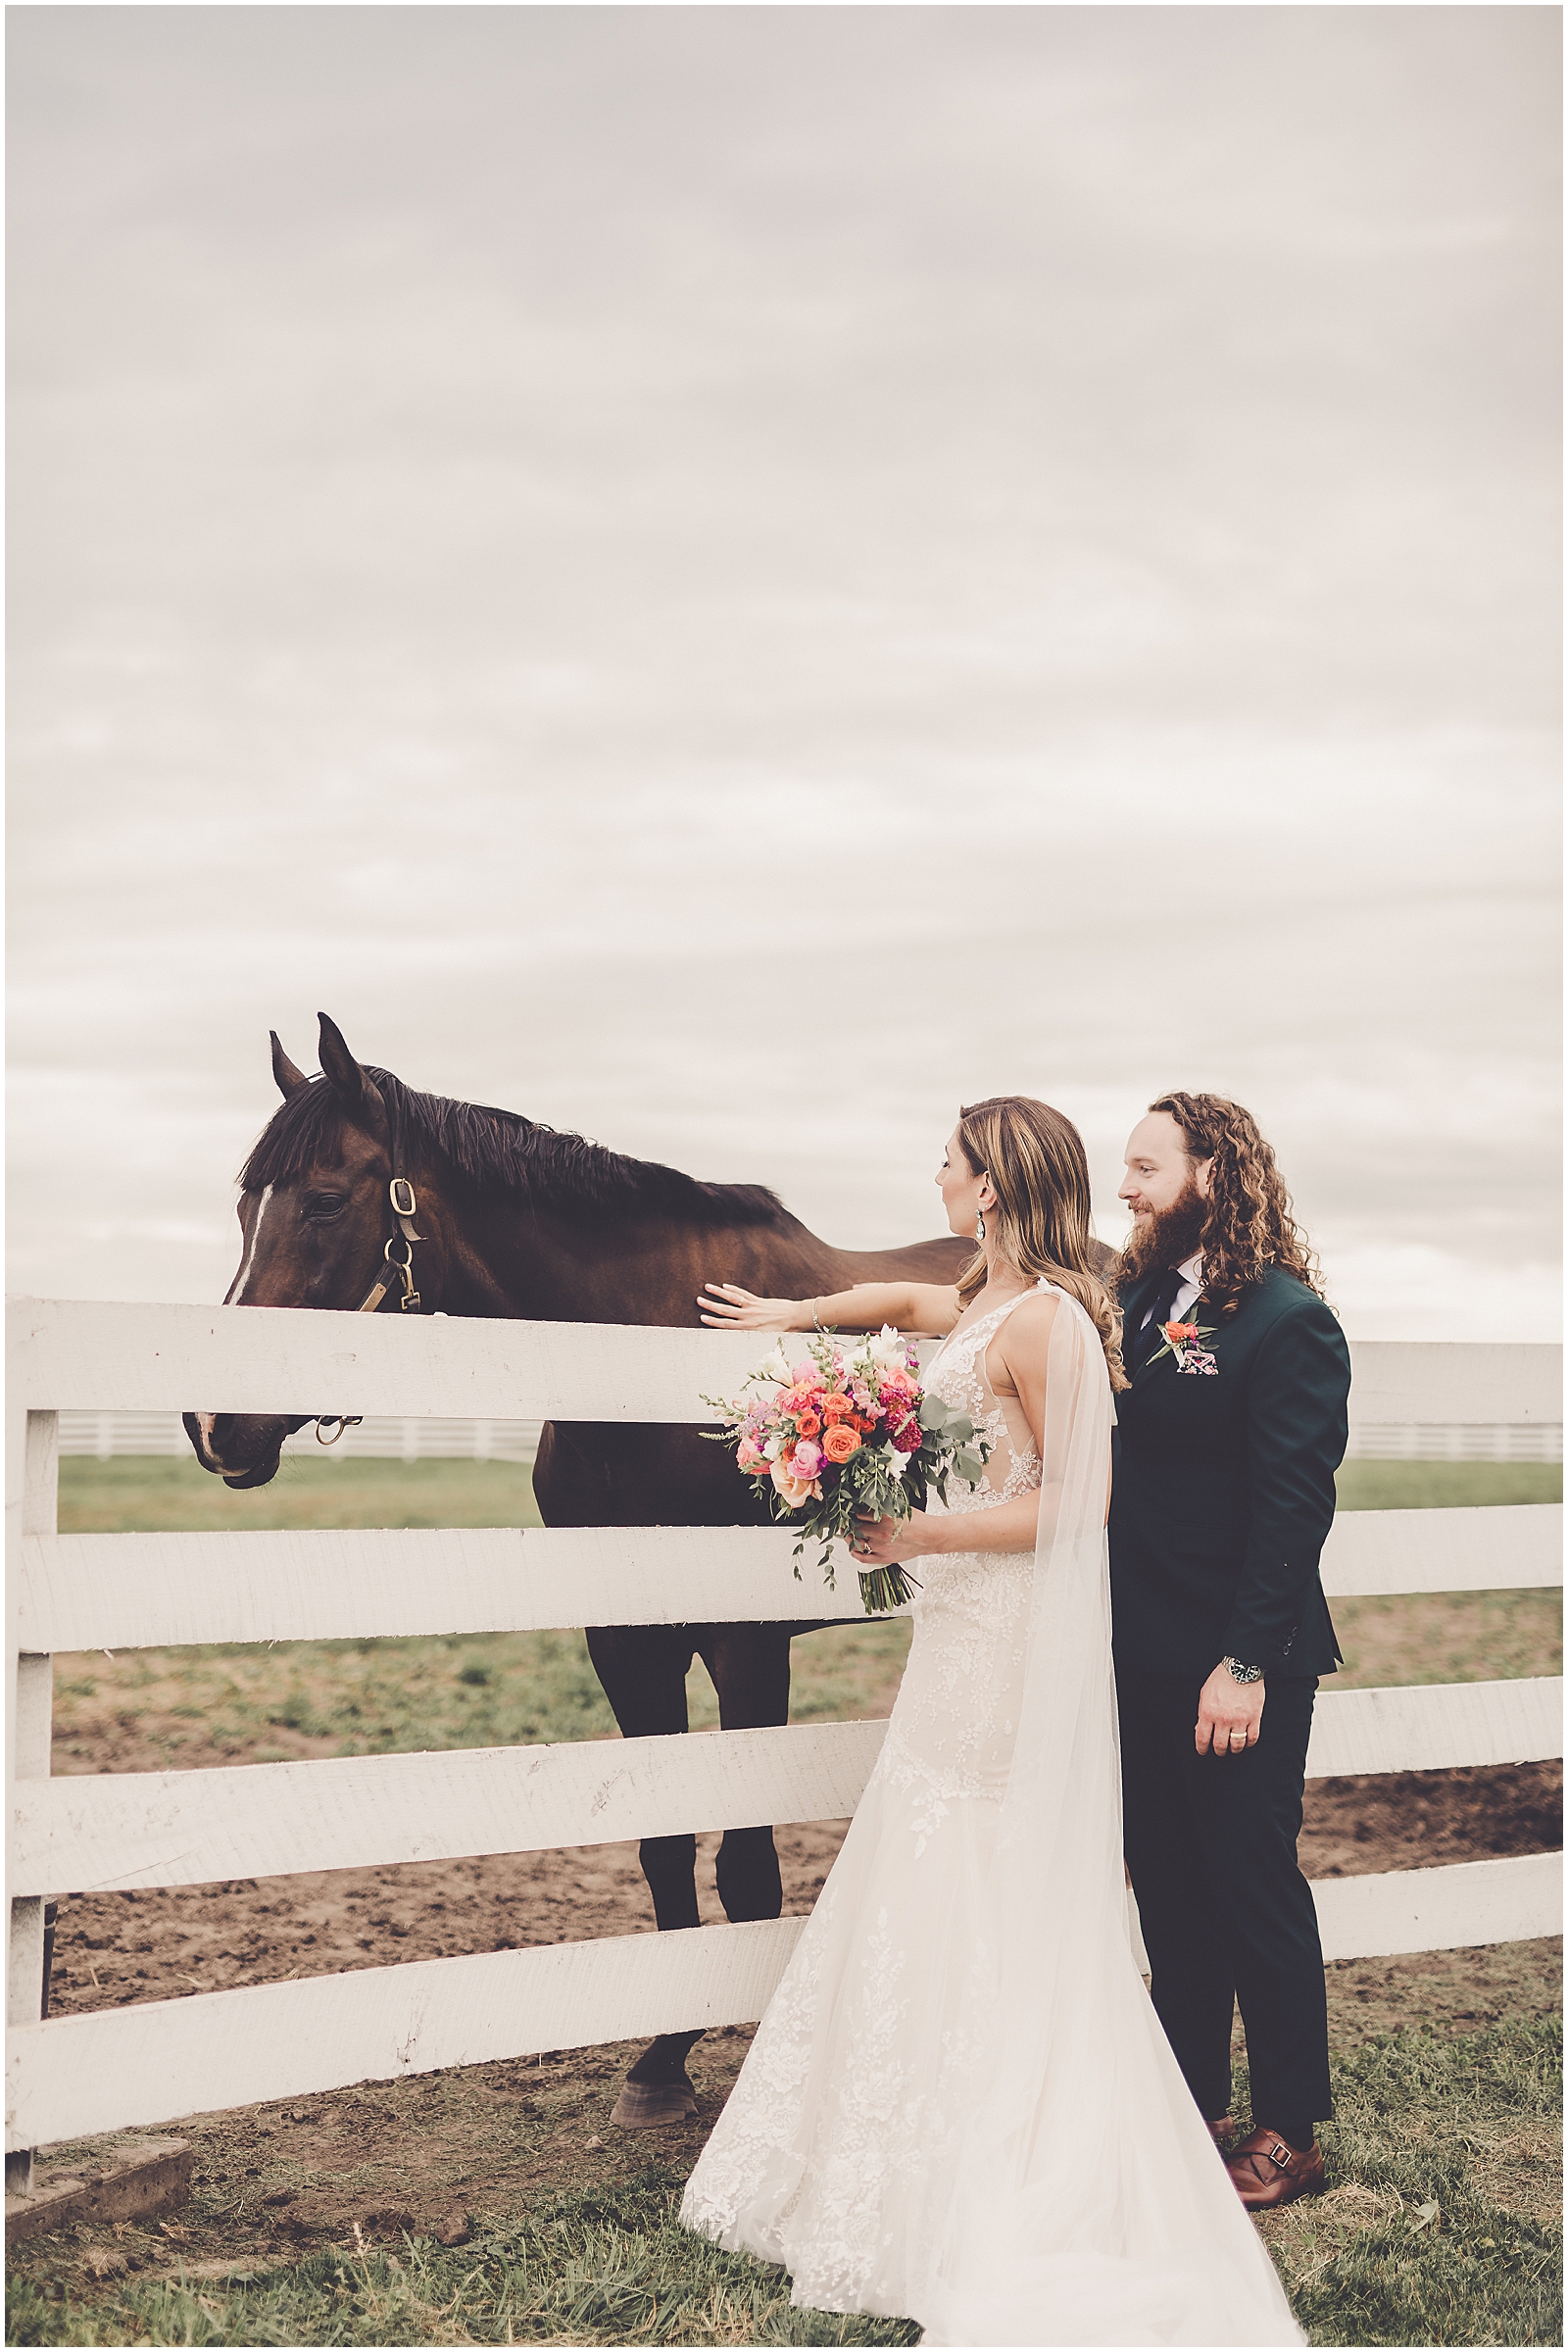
1229 1714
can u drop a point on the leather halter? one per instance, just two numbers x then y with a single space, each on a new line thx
405 1208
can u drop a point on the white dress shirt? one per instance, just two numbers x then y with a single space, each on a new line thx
1191 1271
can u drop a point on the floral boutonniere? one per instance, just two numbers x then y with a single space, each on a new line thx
1184 1342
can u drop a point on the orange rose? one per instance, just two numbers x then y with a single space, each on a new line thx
808 1424
837 1406
841 1442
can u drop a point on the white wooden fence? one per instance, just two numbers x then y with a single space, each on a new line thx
104 1437
152 2061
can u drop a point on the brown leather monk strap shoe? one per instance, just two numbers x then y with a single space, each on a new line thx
1268 2171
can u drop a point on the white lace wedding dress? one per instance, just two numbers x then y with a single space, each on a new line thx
960 2107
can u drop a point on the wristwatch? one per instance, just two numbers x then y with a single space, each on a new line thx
1239 1673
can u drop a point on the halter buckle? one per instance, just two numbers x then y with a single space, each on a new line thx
405 1205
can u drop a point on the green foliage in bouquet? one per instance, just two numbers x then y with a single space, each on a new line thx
846 1432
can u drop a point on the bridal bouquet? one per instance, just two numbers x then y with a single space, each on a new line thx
848 1429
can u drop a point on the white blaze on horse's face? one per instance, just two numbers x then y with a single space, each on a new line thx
236 1290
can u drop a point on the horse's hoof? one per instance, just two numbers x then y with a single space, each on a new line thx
652 2106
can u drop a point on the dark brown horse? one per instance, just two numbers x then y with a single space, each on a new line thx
514 1219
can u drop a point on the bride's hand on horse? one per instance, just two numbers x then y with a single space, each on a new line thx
728 1307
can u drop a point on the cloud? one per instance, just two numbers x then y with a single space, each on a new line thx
588 542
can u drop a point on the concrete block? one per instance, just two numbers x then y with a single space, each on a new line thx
142 2178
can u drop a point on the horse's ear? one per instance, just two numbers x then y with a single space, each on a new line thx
289 1079
360 1094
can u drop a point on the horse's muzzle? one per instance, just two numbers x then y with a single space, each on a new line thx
243 1449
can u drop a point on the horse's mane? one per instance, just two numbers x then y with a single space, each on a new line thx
501 1149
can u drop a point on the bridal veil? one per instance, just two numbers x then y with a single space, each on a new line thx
1093 2206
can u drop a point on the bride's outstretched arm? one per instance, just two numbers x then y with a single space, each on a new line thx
1015 1366
928 1308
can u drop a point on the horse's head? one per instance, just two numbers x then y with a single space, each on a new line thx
316 1219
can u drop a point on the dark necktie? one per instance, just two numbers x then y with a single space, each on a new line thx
1153 1336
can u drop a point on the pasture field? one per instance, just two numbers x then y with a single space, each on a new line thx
326 1489
479 1691
315 2221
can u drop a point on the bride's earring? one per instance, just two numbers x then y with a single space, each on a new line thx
980 1226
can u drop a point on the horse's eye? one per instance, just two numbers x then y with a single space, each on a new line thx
324 1205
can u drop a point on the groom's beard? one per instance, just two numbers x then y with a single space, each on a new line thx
1165 1237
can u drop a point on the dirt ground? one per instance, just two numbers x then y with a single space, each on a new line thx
163 1944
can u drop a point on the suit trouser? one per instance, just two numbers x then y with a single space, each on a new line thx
1226 1914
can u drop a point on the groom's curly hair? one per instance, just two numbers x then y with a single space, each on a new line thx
1249 1226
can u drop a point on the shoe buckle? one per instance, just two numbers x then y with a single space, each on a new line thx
1281 2155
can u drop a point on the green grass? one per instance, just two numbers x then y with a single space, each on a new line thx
601 2266
1447 1637
1441 2226
151 1492
1445 1485
1444 2221
397 1697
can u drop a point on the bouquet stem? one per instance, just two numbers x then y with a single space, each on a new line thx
886 1589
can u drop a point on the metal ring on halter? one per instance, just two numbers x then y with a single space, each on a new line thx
338 1423
404 1263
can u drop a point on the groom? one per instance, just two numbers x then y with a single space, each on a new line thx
1230 1436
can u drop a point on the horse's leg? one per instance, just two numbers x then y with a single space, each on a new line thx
643 1669
751 1669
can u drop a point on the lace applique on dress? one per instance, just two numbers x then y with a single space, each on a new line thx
952 1729
835 2153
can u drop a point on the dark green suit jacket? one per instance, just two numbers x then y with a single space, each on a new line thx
1224 1488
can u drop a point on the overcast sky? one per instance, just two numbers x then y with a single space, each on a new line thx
730 577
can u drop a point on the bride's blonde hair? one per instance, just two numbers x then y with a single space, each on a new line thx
1038 1172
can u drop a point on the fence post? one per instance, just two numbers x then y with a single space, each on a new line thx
35 1512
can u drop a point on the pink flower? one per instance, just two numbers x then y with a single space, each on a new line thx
795 1490
806 1459
750 1455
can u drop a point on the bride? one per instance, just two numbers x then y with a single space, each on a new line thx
960 2107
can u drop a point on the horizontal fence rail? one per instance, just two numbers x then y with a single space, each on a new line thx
160 2059
93 1831
87 1355
243 1821
1440 1910
129 1592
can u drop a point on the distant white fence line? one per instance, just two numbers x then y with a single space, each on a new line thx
382 1438
152 2061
